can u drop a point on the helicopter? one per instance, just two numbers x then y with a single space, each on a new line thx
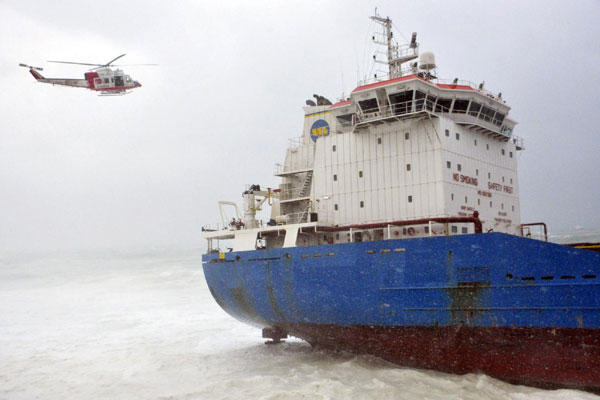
102 78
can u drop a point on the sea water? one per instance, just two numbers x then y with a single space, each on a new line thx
144 326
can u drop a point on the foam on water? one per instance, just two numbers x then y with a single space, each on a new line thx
145 326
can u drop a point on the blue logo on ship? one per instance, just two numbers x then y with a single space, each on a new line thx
318 129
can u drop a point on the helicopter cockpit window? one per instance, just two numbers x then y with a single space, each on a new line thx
98 81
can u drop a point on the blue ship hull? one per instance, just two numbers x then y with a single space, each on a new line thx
515 308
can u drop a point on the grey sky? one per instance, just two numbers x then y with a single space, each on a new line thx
82 171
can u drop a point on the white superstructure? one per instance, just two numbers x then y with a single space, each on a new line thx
409 147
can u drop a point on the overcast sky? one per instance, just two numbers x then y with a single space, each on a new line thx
146 169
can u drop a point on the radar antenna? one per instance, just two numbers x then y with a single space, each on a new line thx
396 54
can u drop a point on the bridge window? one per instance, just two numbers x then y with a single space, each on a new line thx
487 114
369 105
474 108
443 105
345 120
419 100
499 119
401 102
460 106
429 102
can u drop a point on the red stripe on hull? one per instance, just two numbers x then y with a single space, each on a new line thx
561 357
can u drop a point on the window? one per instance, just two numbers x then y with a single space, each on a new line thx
429 102
447 132
502 206
426 229
466 199
408 167
448 164
457 136
502 179
337 235
98 81
360 174
489 175
513 208
478 202
511 181
369 105
105 80
451 196
460 106
409 198
510 154
487 146
458 167
419 100
335 207
401 102
362 204
487 114
490 204
476 172
335 177
475 142
443 105
346 119
454 229
503 152
406 135
378 140
333 148
465 229
474 108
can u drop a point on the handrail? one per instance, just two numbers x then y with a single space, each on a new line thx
420 105
422 221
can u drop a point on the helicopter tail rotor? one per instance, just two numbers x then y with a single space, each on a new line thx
31 67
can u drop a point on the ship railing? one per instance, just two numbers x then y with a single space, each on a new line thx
296 142
518 142
452 82
384 77
398 109
293 193
300 158
420 105
478 88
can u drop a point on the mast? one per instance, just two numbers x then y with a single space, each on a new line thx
396 54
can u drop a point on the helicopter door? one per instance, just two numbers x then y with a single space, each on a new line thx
119 81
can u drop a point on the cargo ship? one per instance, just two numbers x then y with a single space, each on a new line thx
396 231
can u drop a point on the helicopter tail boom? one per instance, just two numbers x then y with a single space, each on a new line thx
36 74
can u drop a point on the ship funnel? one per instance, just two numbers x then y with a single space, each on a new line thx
427 61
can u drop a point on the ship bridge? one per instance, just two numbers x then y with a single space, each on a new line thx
414 96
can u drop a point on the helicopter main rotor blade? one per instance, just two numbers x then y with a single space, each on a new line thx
132 65
113 60
77 63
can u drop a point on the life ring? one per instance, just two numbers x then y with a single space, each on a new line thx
411 231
